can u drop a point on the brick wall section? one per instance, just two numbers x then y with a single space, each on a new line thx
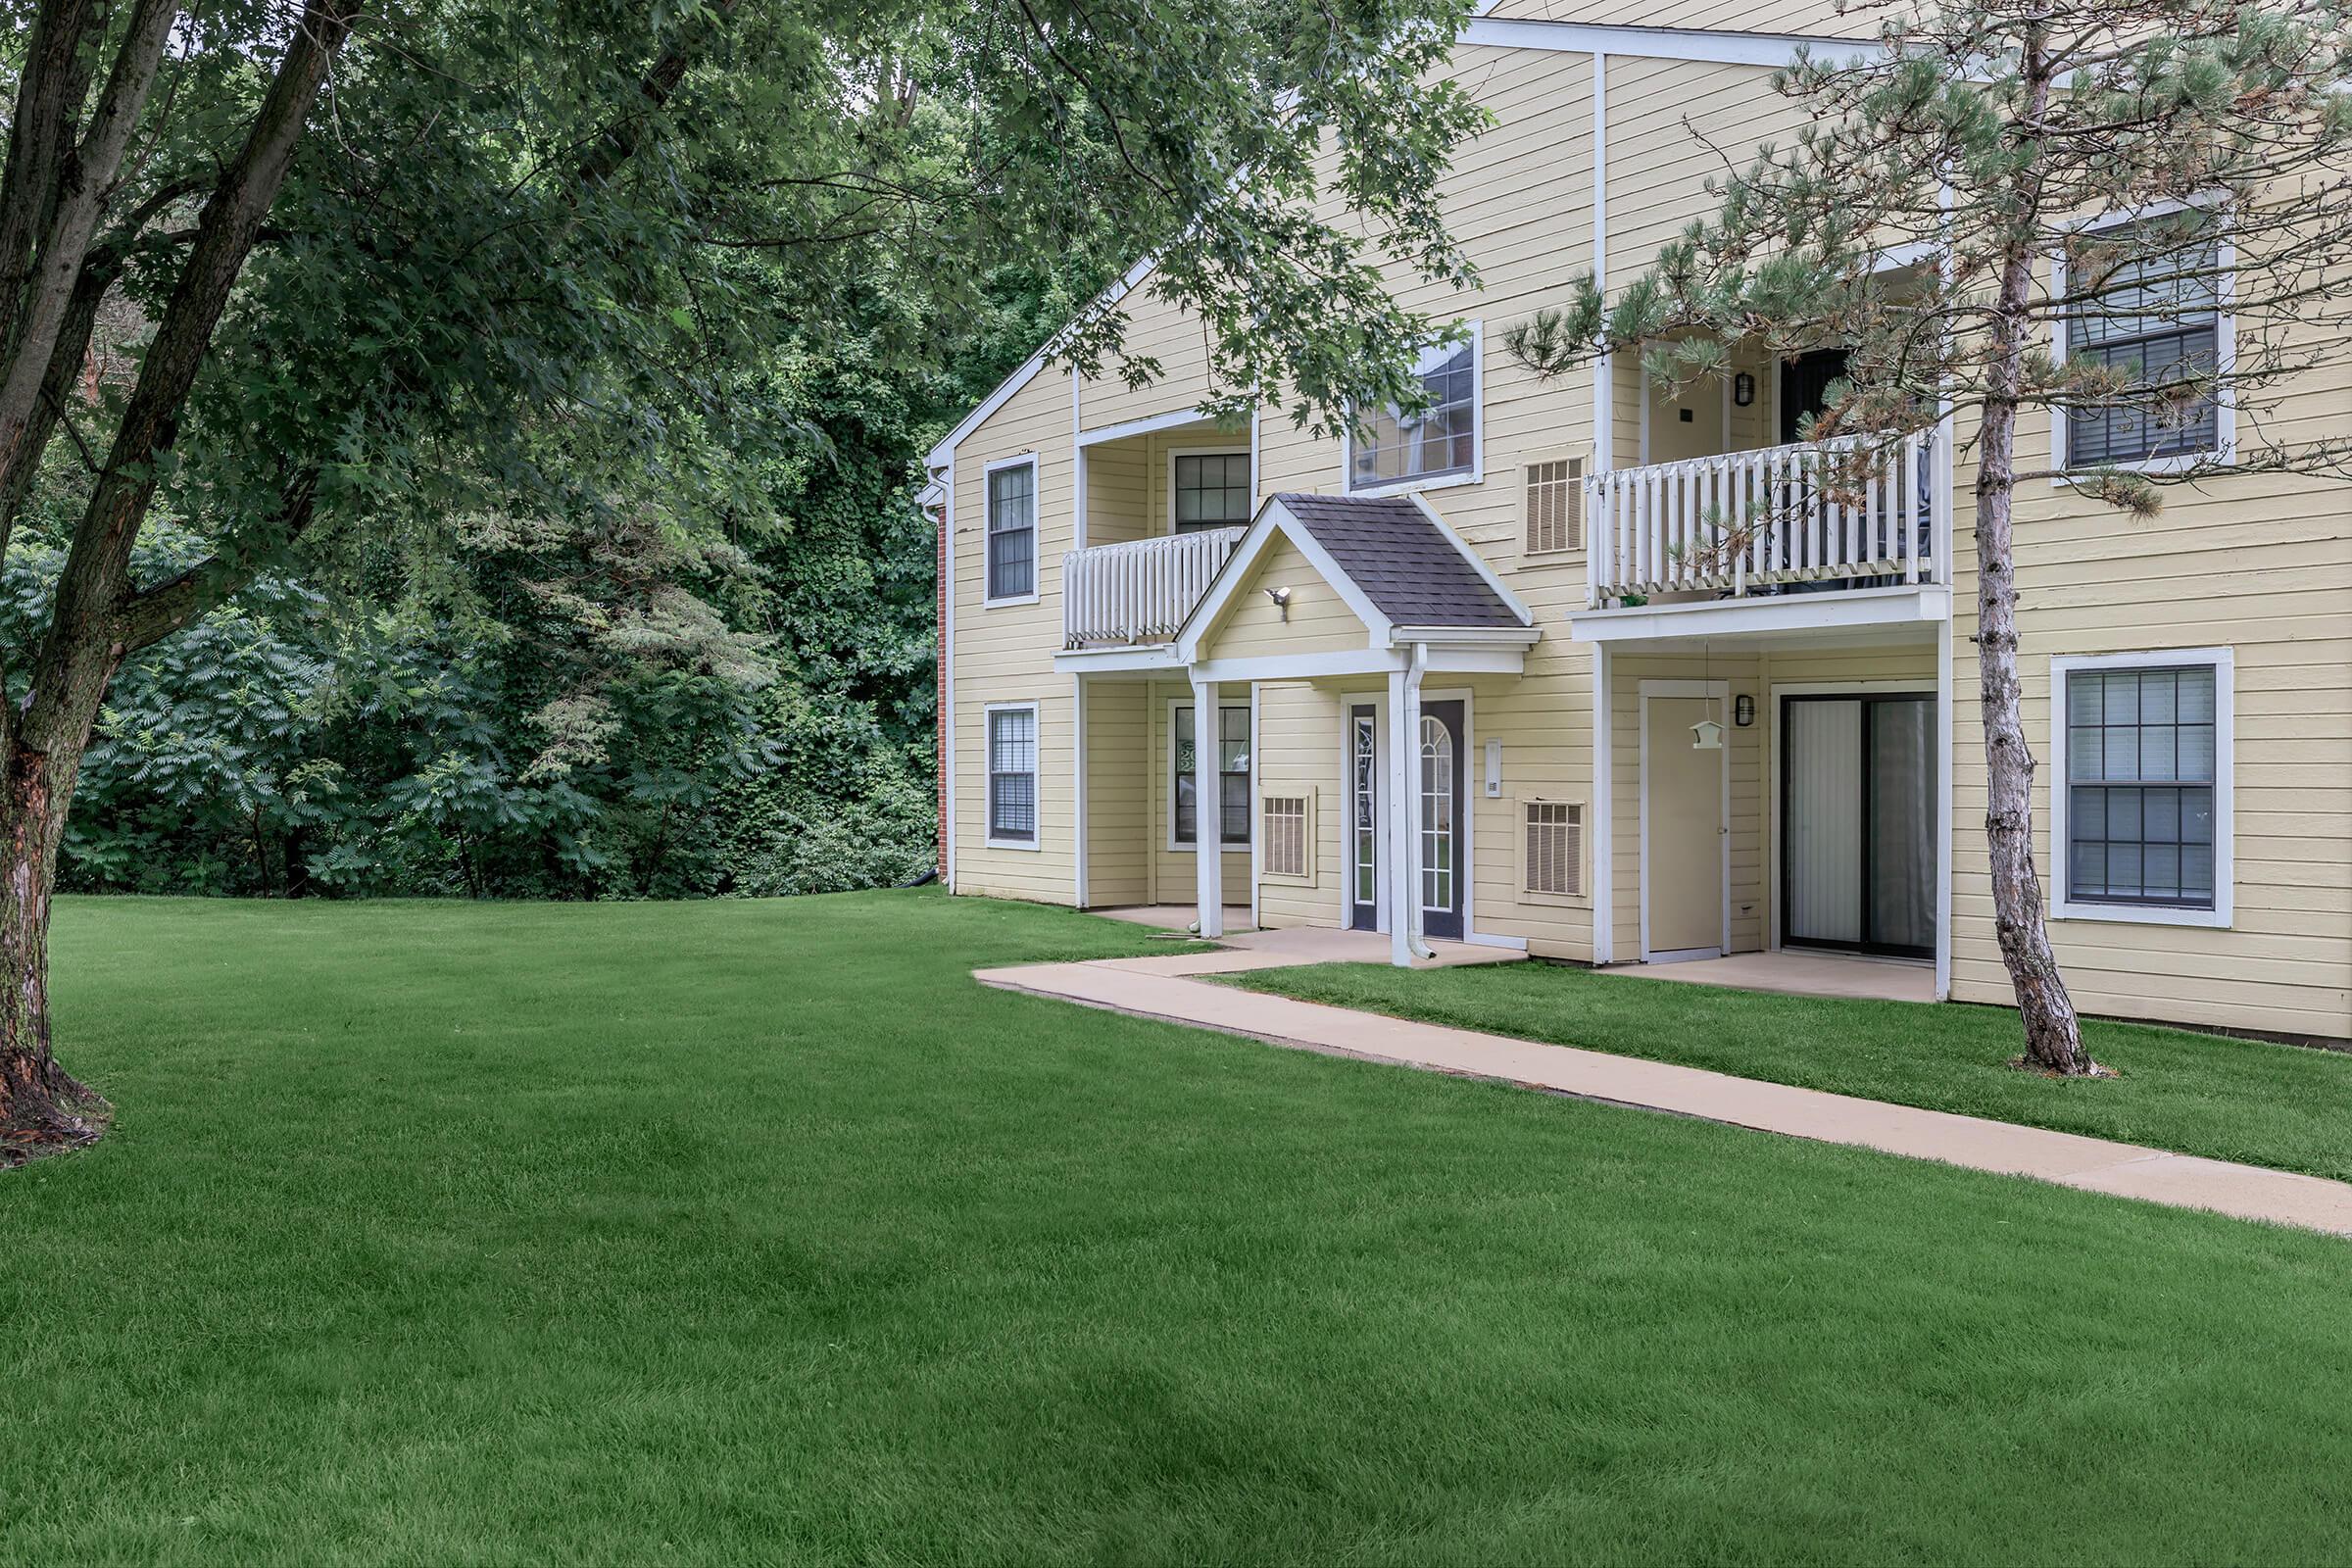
943 718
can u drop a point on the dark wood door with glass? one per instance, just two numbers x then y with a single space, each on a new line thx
1437 777
1858 822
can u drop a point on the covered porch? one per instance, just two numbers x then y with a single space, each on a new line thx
1312 712
1778 808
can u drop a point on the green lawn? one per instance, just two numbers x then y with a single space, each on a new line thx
2289 1107
758 1232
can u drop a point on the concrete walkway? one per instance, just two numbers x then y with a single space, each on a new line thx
1163 987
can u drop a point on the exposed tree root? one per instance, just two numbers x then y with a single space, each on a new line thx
69 1115
2090 1069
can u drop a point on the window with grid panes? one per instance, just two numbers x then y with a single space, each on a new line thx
1013 532
2141 754
1012 774
1232 778
2160 316
1212 490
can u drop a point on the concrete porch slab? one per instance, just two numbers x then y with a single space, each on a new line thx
1799 974
1174 917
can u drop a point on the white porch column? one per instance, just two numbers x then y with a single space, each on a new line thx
1401 832
1605 795
1078 786
1404 808
1209 848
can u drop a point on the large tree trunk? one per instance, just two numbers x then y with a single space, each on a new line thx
42 1107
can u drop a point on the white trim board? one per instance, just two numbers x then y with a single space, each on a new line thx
1711 45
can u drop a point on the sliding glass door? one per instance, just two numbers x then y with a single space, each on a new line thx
1858 822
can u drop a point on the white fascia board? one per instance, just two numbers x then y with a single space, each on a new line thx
1496 636
1478 563
1923 605
1144 426
1659 43
1011 384
1476 659
1300 667
1115 660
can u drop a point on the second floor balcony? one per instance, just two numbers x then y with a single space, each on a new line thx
1139 591
1806 517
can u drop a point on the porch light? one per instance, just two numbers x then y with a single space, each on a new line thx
1743 389
1282 602
1744 710
1706 736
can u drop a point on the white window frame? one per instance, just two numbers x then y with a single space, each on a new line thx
1175 453
1476 473
2225 352
2064 905
1176 846
1036 530
988 774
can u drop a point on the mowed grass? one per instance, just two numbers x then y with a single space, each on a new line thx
2288 1107
759 1233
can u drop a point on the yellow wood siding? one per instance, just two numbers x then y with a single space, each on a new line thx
2261 564
1118 795
1005 652
1298 750
1253 628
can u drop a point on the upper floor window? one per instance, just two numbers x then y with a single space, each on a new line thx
2159 318
2142 802
1212 490
1013 531
1441 441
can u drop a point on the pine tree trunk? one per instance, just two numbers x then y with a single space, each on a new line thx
2053 1034
42 1107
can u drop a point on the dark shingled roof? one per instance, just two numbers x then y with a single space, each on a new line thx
1401 560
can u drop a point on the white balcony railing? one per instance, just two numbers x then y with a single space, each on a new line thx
1749 522
1139 591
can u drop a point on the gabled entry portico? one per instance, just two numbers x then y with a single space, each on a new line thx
1365 599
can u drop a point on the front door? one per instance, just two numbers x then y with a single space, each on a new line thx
1681 831
1438 791
1364 821
1858 822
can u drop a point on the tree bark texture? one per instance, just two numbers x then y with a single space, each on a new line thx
2053 1033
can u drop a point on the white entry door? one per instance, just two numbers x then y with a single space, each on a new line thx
1683 827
